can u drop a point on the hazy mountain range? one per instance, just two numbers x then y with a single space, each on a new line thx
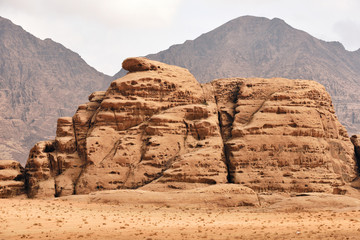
40 80
259 47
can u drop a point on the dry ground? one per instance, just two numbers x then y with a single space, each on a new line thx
82 217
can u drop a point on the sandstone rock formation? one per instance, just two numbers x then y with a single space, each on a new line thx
149 127
157 128
11 178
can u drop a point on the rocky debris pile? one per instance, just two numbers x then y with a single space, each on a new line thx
158 129
11 178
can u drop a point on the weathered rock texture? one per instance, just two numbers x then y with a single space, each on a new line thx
283 134
158 128
40 81
11 178
259 47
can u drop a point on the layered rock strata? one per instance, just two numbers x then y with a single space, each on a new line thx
282 134
157 128
11 178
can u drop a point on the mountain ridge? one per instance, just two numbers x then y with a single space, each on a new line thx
259 47
40 80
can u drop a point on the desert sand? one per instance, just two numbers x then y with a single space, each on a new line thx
110 215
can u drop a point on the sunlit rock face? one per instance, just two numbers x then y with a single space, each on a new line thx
157 128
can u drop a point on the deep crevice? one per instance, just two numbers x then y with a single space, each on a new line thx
57 194
225 131
229 168
357 153
187 132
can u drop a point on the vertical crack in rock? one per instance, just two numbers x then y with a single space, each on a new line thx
355 141
57 193
49 149
226 127
187 132
229 175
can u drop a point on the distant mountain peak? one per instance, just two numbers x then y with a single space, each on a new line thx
41 80
251 46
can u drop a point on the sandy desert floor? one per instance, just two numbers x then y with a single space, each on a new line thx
79 218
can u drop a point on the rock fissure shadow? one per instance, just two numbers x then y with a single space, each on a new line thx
354 140
357 158
229 166
225 130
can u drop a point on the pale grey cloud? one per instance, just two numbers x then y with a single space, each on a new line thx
112 13
349 33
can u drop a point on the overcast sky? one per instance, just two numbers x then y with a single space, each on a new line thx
105 32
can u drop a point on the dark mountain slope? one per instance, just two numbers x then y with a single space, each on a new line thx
40 80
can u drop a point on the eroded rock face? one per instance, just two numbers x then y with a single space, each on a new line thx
157 128
283 135
149 128
11 178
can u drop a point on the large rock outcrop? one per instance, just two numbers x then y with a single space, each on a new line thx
158 128
11 178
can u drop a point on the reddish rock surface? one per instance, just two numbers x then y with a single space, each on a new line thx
157 128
